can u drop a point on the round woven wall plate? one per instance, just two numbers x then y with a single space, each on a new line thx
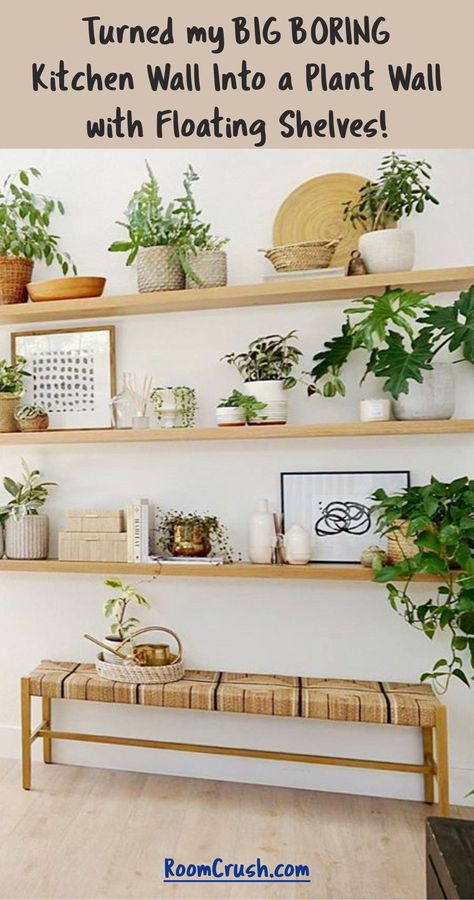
313 211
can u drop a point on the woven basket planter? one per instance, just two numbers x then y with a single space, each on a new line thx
132 674
159 270
8 408
210 268
27 538
38 423
15 274
399 545
305 255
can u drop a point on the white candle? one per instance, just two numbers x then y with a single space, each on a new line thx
378 409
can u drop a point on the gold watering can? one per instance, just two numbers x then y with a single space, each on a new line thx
144 654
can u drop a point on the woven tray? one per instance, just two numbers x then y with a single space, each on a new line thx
139 674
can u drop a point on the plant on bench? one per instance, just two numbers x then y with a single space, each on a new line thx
117 609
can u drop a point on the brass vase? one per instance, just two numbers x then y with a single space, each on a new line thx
190 539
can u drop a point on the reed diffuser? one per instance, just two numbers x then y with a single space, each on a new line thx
139 396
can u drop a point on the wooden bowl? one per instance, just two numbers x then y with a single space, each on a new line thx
75 288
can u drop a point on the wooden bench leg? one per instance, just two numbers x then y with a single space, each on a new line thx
428 760
441 741
47 741
26 733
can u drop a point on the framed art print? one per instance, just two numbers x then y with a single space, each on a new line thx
72 374
335 508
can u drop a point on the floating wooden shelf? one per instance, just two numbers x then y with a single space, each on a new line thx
268 293
318 572
237 433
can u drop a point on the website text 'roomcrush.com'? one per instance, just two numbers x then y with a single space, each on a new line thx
217 870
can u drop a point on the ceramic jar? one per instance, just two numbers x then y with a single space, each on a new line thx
230 415
434 398
297 545
27 538
262 537
390 250
273 394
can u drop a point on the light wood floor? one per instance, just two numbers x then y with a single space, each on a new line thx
94 833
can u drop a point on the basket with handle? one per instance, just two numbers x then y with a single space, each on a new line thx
304 255
132 673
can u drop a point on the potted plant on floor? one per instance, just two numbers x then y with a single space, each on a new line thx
431 528
403 357
11 389
239 409
25 235
117 609
188 535
402 188
26 529
267 368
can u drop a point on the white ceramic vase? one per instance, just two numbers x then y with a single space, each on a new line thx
273 394
390 250
297 545
262 535
230 415
434 398
27 538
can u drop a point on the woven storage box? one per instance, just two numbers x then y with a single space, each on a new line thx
96 520
92 547
305 255
399 546
159 270
15 273
38 423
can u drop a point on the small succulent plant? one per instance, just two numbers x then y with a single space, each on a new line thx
29 411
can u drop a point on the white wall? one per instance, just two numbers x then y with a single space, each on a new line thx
318 629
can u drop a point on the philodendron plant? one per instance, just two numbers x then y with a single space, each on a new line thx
11 376
270 358
116 608
27 496
401 333
251 407
439 516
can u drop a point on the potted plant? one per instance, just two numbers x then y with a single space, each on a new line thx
192 535
239 409
117 609
403 357
402 188
175 407
207 261
26 529
11 389
31 417
438 519
267 369
25 235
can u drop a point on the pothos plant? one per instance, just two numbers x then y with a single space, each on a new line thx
185 400
270 358
211 526
25 220
403 187
117 608
439 516
401 332
252 408
27 496
11 377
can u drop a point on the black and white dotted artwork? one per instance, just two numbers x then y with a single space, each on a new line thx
70 375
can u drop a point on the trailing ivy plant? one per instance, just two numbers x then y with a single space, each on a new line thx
251 407
11 377
439 516
401 332
25 219
211 526
185 400
403 187
117 607
27 496
270 358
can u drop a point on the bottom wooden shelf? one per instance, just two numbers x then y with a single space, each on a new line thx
316 572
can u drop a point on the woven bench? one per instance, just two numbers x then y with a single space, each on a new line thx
383 703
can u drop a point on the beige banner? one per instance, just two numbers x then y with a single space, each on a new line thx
309 75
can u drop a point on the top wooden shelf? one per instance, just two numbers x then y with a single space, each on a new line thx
266 294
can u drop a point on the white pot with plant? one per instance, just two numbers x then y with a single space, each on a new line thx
117 609
25 236
175 407
26 529
267 368
11 389
402 188
239 409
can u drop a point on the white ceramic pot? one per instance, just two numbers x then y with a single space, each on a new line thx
390 250
262 537
273 394
111 642
27 538
158 269
434 398
297 545
230 415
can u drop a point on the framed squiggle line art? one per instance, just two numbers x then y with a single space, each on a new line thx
335 508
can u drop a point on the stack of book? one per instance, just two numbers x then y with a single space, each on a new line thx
138 531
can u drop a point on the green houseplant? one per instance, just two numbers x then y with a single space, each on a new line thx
11 389
401 333
239 409
267 368
117 610
403 187
26 528
192 535
25 235
175 407
31 417
438 519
